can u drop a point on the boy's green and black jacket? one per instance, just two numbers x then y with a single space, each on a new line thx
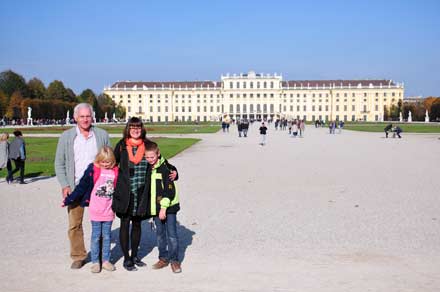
163 192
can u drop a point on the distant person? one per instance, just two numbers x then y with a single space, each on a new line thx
340 126
95 190
77 148
17 153
302 128
164 207
294 128
263 132
5 162
388 129
245 127
398 130
239 128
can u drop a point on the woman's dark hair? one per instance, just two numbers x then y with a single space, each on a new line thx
134 122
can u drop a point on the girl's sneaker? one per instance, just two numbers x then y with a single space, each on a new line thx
108 266
96 268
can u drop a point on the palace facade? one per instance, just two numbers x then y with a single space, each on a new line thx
257 96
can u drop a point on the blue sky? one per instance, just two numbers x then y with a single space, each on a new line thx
91 44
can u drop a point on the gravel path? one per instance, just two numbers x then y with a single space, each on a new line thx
345 212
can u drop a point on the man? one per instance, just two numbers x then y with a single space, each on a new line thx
77 148
17 153
245 127
387 129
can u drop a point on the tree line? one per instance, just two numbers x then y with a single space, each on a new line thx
53 102
418 109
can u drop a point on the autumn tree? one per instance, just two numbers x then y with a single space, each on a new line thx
3 104
14 107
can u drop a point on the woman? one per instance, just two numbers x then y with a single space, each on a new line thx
4 155
130 199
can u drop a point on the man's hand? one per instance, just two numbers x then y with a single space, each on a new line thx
173 175
66 191
162 214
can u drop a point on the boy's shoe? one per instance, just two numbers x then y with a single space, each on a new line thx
138 262
160 264
175 267
108 266
77 264
96 268
129 266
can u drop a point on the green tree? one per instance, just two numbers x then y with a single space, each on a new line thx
71 96
14 107
89 97
386 113
36 88
11 82
120 111
57 91
106 105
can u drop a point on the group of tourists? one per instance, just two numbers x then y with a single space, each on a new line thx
133 182
242 127
333 125
14 151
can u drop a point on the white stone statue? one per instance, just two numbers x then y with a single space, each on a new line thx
106 118
68 118
94 117
114 117
426 117
29 118
400 117
409 117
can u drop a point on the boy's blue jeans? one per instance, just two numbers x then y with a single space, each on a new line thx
104 229
166 232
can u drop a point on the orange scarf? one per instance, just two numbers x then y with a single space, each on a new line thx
139 143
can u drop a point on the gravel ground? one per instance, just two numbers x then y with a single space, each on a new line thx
344 212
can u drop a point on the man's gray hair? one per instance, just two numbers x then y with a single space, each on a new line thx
81 106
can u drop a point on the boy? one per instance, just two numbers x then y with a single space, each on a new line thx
164 205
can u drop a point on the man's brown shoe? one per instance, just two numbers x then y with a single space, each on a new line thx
160 264
77 264
175 267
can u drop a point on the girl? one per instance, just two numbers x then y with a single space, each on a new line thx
95 190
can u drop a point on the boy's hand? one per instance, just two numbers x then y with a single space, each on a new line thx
172 175
63 205
163 214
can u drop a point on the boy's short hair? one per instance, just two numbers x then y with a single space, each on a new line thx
17 133
151 146
106 154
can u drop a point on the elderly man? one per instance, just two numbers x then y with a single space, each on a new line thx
77 148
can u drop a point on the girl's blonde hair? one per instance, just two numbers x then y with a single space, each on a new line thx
106 154
4 137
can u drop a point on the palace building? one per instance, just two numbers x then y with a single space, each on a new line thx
257 96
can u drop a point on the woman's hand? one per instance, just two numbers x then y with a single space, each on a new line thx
173 175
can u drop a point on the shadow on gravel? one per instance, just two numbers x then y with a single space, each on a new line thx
148 242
